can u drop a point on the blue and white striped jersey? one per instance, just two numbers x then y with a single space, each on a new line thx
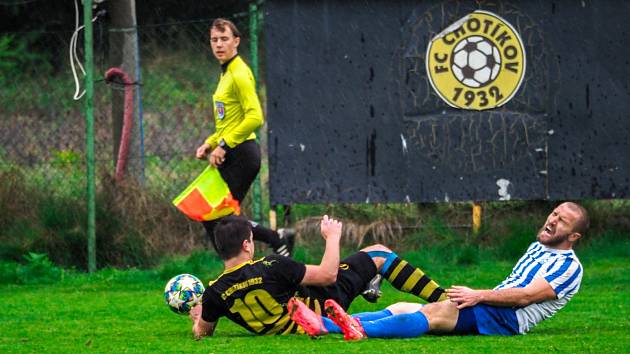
561 268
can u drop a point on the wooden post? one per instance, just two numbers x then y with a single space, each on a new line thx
476 217
273 219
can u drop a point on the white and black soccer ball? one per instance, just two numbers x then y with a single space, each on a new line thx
476 61
183 292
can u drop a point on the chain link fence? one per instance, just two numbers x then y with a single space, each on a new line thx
42 125
43 140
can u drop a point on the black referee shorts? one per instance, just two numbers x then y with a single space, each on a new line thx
240 168
355 272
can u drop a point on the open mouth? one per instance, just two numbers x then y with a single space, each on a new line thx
547 230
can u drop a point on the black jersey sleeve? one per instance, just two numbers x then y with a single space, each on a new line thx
286 269
210 312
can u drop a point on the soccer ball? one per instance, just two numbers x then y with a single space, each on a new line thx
476 61
183 292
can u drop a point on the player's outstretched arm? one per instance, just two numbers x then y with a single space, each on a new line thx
537 291
200 327
326 272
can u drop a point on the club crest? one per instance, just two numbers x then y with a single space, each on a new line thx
220 110
476 63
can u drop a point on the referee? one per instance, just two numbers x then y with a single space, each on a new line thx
237 114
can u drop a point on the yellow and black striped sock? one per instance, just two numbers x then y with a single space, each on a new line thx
405 277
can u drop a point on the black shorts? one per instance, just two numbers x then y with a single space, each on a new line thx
240 168
355 272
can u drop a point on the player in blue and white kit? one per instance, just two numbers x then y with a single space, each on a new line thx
542 282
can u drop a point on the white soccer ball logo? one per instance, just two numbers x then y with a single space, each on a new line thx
476 61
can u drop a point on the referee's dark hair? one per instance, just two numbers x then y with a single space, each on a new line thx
229 235
221 23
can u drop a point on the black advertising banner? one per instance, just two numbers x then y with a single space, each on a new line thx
408 101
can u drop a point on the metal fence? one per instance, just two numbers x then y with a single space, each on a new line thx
42 127
170 77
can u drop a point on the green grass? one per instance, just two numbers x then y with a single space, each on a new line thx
123 311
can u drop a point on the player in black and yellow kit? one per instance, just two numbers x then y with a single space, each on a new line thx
232 148
254 294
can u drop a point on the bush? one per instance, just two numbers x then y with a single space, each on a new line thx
612 244
135 226
138 227
201 264
468 255
38 269
511 244
8 272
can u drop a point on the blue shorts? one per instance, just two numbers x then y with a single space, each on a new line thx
487 320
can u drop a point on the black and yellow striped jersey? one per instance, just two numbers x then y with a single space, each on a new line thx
255 294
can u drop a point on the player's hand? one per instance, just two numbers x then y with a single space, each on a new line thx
202 151
464 296
217 156
195 314
200 327
330 228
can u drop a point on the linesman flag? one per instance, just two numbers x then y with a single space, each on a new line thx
208 197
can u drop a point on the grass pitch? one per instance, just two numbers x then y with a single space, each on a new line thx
123 311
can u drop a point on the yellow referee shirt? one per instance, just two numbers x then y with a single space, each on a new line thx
237 111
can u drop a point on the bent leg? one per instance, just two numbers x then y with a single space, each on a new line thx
268 236
403 276
442 316
239 170
412 320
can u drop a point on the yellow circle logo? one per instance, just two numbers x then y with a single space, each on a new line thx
477 62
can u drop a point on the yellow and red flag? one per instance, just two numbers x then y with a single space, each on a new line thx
208 197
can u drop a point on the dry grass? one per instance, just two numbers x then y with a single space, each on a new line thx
14 196
134 226
386 231
137 226
162 229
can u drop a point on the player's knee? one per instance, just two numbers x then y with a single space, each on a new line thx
442 316
404 307
376 247
381 256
